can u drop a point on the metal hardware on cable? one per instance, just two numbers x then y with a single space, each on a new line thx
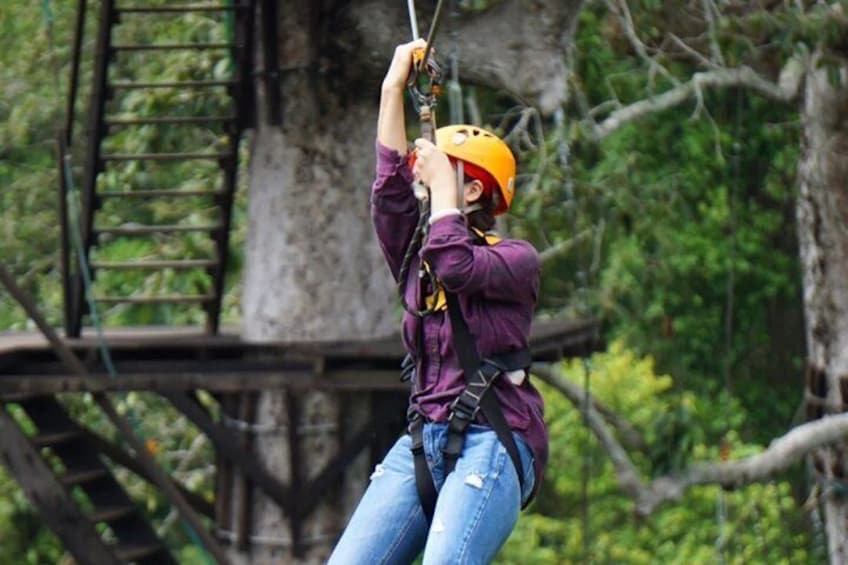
425 86
425 80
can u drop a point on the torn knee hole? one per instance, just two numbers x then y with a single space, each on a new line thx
474 479
378 471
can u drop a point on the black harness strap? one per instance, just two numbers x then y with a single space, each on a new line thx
423 479
475 398
479 377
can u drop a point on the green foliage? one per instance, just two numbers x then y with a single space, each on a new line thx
22 537
682 230
760 523
33 81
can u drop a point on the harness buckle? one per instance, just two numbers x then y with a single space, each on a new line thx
407 369
465 407
490 369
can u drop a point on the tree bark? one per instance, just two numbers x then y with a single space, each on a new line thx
823 238
516 46
313 271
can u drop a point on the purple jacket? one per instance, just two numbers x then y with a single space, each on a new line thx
496 285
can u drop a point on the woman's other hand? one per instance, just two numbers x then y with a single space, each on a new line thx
434 169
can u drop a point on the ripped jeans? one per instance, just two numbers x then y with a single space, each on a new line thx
477 508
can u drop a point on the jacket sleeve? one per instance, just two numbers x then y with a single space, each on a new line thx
394 209
508 271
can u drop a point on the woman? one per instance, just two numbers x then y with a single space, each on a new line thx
495 285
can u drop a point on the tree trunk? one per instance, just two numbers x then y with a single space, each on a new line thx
313 272
823 239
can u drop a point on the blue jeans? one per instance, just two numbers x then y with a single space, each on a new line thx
477 508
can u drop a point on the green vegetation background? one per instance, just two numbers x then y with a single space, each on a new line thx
683 244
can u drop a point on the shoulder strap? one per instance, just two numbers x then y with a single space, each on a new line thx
486 237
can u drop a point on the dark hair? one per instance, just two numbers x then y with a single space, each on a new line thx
484 218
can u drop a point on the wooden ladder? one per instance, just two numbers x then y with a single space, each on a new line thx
59 462
126 217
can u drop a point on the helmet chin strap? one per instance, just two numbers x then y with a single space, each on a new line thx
460 184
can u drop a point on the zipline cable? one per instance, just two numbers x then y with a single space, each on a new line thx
431 35
413 20
586 466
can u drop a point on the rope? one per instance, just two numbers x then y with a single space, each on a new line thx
415 244
230 31
74 212
728 331
454 88
586 466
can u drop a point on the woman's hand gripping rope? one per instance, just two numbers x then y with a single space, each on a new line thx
433 168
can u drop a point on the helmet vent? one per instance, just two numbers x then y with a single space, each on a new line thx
459 137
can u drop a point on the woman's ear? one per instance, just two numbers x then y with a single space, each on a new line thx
473 191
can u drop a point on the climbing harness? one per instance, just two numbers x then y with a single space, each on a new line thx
475 399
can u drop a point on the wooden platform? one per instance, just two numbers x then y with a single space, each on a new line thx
173 359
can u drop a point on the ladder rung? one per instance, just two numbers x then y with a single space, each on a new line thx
16 396
163 156
72 478
147 230
173 84
173 46
110 514
177 264
180 9
163 299
168 120
54 438
133 551
158 193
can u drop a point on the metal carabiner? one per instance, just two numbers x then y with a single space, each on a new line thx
425 79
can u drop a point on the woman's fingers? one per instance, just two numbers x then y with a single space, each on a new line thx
402 63
430 162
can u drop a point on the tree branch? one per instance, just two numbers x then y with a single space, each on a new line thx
786 91
781 454
695 53
631 437
622 10
563 246
710 13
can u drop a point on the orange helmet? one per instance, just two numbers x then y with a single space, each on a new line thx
485 150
